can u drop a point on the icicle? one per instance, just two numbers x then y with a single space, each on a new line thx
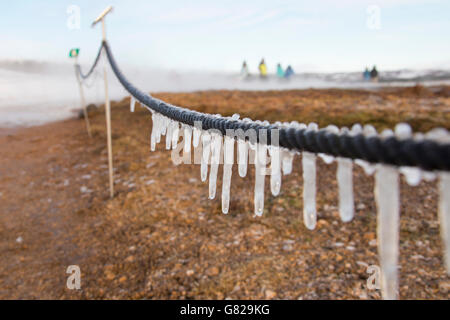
132 103
154 131
206 153
242 157
158 128
309 186
388 204
216 145
228 158
252 146
169 135
344 175
275 174
309 189
412 175
260 174
175 134
345 187
444 215
196 137
287 157
164 125
187 138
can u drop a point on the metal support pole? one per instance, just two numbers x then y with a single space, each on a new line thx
83 100
107 105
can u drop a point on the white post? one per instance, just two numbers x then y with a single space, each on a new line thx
107 105
82 99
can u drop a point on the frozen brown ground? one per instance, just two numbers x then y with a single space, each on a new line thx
161 238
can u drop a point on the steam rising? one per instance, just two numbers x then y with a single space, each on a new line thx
33 93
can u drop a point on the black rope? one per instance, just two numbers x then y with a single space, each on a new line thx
426 154
85 76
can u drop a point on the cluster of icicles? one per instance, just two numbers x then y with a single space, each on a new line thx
387 193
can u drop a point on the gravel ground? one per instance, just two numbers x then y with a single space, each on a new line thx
161 238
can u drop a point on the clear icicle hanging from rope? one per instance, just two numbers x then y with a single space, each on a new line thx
243 147
169 135
175 134
309 186
187 138
387 197
158 127
154 130
132 103
196 137
275 170
216 146
344 177
287 157
228 159
260 174
206 153
242 157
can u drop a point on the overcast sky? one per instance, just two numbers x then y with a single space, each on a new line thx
320 35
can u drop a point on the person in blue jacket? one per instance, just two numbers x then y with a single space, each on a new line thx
289 72
280 71
366 74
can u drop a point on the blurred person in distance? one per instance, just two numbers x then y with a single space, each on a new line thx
244 70
280 71
374 74
366 74
289 72
262 69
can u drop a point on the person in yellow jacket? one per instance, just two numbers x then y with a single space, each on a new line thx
262 69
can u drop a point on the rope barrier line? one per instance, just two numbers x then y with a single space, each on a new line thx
375 153
91 69
425 154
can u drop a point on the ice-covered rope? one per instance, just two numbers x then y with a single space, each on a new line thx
416 156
